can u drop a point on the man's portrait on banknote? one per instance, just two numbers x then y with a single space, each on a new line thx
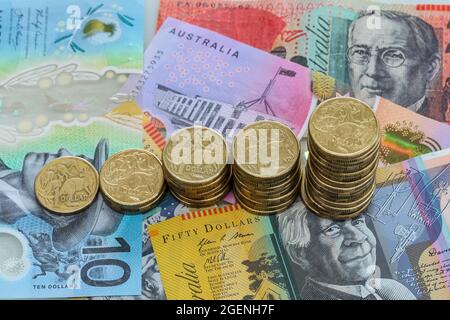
18 200
397 58
337 258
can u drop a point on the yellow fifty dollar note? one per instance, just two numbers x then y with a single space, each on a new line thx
218 254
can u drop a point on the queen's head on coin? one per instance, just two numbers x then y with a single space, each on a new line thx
18 200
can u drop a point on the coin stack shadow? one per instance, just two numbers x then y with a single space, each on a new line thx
262 191
197 185
343 143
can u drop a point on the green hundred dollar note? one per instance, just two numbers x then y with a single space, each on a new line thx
396 51
397 249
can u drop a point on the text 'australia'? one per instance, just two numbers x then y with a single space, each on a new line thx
206 42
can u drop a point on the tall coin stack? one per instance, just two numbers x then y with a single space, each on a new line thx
195 166
344 143
266 167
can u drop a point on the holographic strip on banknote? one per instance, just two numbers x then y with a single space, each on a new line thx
407 134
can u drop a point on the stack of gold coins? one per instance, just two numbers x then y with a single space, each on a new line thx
195 166
344 143
132 181
266 167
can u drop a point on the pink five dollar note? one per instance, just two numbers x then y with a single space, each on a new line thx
337 39
269 25
196 76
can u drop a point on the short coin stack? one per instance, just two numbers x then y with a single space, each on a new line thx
266 167
343 143
196 168
132 181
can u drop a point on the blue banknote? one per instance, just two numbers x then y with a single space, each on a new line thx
95 252
95 34
64 61
152 286
62 65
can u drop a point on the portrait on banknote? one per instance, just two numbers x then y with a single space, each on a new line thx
399 60
398 51
335 259
397 249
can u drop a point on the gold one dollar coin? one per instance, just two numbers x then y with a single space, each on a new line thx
344 128
195 156
132 180
266 150
67 185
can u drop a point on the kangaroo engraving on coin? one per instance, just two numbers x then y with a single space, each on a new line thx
344 127
132 179
253 145
195 155
67 185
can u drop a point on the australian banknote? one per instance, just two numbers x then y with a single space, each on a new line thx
272 26
194 75
64 63
406 134
93 253
152 286
64 60
410 43
398 249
